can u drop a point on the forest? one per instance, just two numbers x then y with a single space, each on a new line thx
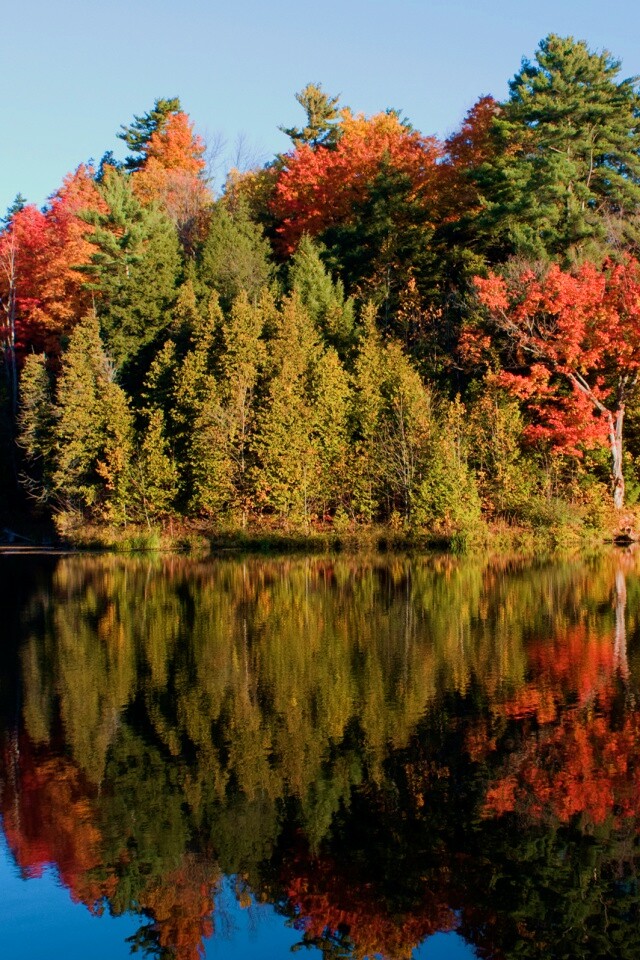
378 327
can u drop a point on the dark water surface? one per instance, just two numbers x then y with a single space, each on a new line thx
346 758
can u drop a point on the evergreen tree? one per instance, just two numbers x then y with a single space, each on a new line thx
367 403
93 430
322 118
156 474
448 497
287 463
138 133
36 425
324 300
387 242
406 434
568 160
211 455
329 400
133 270
242 364
235 256
116 503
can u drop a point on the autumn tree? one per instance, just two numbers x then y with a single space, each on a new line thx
21 260
572 342
172 175
371 200
137 135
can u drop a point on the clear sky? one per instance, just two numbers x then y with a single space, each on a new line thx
74 70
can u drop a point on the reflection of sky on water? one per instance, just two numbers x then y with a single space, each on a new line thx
444 946
39 920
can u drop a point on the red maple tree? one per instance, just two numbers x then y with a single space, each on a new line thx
322 186
572 341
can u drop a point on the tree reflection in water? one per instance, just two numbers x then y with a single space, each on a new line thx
381 748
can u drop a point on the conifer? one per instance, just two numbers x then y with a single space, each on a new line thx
36 423
133 270
156 474
366 407
568 157
323 299
287 474
235 257
330 406
93 429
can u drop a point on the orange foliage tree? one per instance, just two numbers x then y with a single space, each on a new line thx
172 174
325 186
465 152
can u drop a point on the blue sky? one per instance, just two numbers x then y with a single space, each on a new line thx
74 70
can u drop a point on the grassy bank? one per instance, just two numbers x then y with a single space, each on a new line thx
566 533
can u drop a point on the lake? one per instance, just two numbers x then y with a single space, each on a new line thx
340 757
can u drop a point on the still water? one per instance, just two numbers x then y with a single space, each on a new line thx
347 758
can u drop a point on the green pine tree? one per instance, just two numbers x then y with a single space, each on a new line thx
133 270
322 128
323 299
566 179
235 256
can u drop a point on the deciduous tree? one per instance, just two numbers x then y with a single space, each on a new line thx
574 341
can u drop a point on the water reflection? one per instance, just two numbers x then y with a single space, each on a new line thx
382 749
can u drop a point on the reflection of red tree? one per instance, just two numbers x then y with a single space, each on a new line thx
572 761
49 818
49 813
576 662
326 900
579 766
181 904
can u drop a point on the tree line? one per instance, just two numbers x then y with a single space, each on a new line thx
375 326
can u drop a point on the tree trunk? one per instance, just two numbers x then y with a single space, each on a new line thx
615 440
620 639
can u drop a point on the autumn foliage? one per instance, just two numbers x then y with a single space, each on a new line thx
172 175
322 187
48 246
